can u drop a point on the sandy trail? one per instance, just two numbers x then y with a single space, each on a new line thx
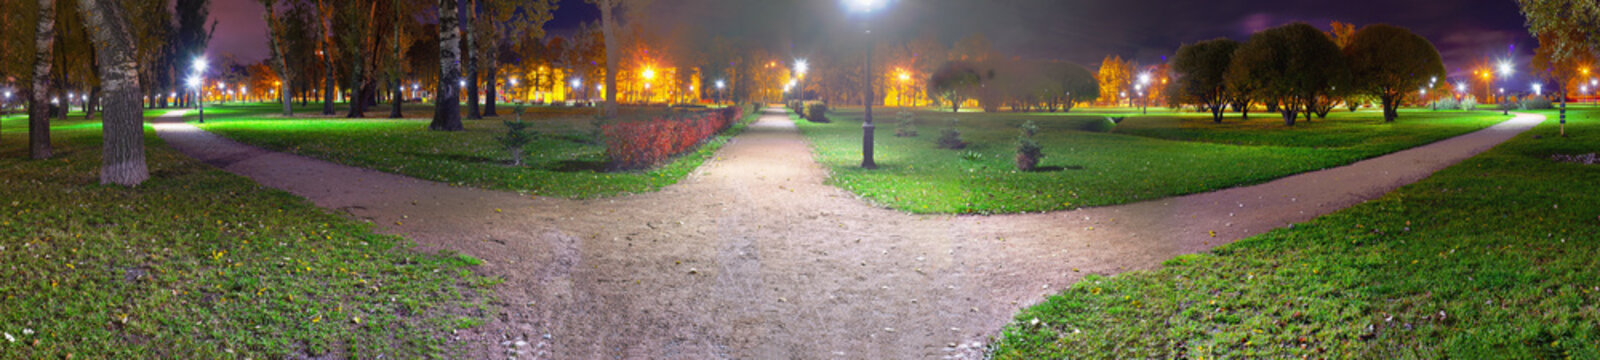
753 256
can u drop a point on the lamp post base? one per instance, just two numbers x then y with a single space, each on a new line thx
866 146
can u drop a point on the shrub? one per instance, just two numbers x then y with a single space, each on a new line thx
1469 103
1028 151
816 111
972 156
516 137
1537 103
643 144
951 138
1447 104
906 126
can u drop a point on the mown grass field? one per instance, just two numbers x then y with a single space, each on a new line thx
566 159
1491 258
1089 162
199 263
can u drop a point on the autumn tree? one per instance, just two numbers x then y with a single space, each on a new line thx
1389 62
1199 70
1075 83
1115 76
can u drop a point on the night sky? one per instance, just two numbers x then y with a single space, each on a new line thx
1084 31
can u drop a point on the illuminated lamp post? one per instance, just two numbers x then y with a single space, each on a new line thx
720 85
1144 102
800 68
649 75
1505 73
6 106
865 7
577 88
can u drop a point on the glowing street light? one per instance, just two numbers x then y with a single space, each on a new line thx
194 83
649 74
1538 89
865 7
7 105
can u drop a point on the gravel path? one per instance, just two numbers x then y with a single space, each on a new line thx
753 256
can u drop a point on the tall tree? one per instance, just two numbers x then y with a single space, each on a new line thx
123 160
354 23
447 105
325 11
1389 62
1565 71
506 23
470 60
1573 27
192 35
608 27
276 34
1200 68
38 116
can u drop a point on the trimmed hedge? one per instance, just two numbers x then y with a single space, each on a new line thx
644 144
816 111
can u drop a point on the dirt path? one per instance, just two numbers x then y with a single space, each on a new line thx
752 256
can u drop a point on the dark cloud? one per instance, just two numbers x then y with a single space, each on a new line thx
1466 31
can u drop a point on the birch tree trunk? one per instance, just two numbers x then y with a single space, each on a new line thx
123 160
447 102
472 60
39 108
607 28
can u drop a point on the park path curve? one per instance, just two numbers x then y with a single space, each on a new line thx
754 256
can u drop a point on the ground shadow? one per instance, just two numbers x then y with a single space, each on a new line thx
578 166
452 157
1057 168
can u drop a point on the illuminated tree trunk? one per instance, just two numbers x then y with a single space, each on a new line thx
472 60
607 29
279 62
123 160
447 105
38 110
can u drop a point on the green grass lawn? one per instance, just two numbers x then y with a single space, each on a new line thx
565 160
1491 258
170 269
1146 157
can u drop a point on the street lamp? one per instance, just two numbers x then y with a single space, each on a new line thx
7 105
800 68
865 7
1538 89
720 85
577 85
194 83
1504 110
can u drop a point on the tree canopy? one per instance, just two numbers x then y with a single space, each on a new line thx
1293 64
1200 69
1389 62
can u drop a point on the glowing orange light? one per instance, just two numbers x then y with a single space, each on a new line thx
649 74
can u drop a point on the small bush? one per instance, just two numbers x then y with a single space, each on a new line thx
1469 103
1536 103
1028 151
516 137
817 112
906 126
972 156
1447 104
951 138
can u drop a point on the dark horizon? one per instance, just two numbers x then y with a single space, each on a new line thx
1081 31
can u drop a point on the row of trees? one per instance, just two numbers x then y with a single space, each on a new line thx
1022 85
1296 69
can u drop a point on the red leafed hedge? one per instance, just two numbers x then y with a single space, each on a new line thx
644 144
